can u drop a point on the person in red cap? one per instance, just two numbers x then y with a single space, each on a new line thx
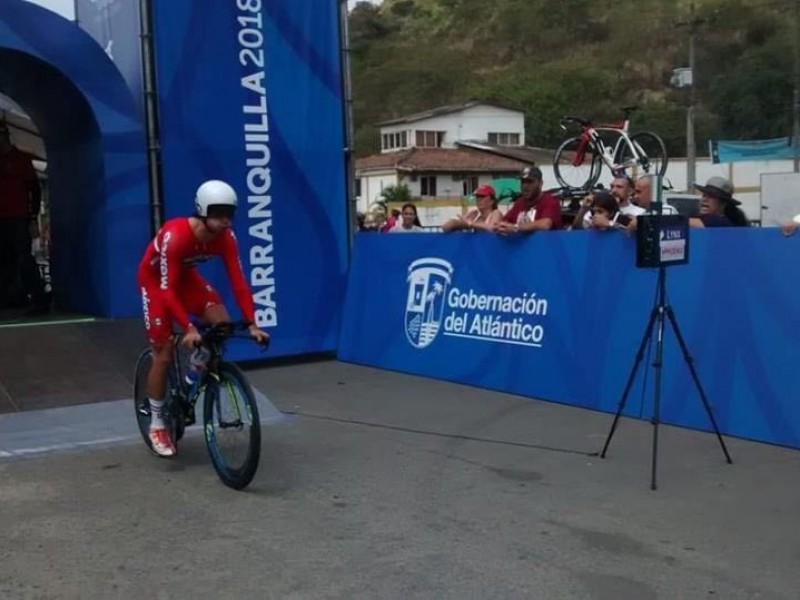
481 218
20 201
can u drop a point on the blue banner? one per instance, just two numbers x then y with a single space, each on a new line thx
725 151
560 316
250 92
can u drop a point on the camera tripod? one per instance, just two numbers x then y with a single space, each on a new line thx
661 311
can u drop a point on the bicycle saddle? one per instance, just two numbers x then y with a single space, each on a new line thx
579 120
629 109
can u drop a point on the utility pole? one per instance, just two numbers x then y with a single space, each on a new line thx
691 147
691 153
796 106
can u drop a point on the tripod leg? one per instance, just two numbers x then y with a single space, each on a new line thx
657 364
690 363
639 355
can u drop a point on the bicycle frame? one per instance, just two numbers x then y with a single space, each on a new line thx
590 135
188 396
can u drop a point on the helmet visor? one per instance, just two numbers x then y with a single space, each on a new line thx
221 211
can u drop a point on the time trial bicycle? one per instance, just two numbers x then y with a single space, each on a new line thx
231 424
579 160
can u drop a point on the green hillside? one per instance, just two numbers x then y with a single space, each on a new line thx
586 57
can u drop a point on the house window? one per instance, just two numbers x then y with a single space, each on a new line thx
470 184
430 139
358 186
504 139
396 140
427 186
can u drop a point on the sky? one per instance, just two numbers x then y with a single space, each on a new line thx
352 3
62 7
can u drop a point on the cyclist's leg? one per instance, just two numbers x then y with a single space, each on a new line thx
158 325
204 301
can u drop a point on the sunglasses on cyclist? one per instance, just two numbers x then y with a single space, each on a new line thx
221 211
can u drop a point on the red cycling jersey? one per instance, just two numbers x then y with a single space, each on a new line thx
170 282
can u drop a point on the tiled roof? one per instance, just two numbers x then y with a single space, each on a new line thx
529 154
439 159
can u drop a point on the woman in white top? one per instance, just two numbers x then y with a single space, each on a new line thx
409 221
483 217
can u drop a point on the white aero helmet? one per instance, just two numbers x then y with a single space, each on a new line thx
214 193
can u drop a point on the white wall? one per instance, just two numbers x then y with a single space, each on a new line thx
474 123
447 185
371 187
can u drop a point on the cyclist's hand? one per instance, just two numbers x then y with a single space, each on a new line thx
789 228
191 338
261 337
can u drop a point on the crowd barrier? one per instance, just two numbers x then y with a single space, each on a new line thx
559 316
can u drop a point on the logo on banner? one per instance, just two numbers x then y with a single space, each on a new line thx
428 280
435 303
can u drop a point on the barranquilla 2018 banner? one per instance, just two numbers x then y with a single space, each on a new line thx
250 91
560 316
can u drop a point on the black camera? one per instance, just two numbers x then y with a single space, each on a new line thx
661 240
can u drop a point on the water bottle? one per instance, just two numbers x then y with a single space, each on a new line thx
197 365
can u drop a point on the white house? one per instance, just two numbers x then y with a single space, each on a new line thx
443 154
443 127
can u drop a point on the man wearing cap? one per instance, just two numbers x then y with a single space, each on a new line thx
533 209
483 217
20 200
718 207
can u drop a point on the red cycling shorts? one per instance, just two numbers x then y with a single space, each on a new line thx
193 292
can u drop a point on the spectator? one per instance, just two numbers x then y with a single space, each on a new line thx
622 190
533 209
790 227
643 195
481 218
718 207
391 221
20 202
600 210
409 220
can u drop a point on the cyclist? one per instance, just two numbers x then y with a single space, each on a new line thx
172 288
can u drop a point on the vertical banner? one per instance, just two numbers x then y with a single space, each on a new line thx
115 25
250 91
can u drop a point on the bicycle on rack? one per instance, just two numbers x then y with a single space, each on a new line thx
230 414
579 160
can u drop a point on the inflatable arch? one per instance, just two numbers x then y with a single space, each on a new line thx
93 133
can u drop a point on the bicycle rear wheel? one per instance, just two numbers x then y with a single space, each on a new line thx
652 154
574 167
142 403
232 427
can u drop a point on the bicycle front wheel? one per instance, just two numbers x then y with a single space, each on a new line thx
576 166
652 154
232 427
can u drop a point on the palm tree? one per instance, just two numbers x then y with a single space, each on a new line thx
394 194
438 288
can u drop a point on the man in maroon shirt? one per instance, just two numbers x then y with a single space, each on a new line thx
533 209
20 200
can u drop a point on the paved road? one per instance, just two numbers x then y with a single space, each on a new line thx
390 486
